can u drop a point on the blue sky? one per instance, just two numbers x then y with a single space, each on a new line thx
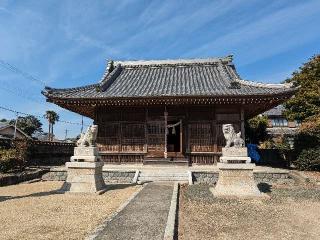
66 43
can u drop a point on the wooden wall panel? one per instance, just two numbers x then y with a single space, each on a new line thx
132 137
141 131
156 137
201 137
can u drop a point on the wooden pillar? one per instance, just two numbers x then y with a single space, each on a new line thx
165 132
187 130
145 148
120 132
242 123
215 133
180 136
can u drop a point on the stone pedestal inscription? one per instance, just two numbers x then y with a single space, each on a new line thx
85 168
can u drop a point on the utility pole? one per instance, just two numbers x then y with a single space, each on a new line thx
81 124
66 133
15 126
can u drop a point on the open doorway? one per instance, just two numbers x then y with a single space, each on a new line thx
173 138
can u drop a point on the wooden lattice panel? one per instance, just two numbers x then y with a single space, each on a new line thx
156 136
201 137
108 139
132 137
204 159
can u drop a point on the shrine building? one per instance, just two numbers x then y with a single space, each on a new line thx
168 111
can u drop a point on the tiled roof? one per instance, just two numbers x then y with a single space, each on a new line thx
161 78
276 111
282 131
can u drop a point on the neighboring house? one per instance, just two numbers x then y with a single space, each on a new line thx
7 131
279 125
43 136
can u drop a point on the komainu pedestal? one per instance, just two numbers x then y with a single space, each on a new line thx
85 168
235 169
85 177
236 180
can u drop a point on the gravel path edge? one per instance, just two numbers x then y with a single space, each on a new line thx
169 233
102 226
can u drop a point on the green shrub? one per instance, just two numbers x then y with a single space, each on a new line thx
9 160
15 156
309 159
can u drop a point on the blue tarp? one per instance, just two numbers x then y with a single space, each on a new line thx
253 152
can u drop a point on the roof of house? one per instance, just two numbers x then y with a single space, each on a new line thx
174 78
282 131
276 111
4 125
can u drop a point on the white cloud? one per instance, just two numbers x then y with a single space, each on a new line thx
270 35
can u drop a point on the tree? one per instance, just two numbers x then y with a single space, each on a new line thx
308 135
52 118
305 106
307 144
256 129
306 102
29 124
3 120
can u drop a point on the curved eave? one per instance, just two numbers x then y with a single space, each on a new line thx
254 104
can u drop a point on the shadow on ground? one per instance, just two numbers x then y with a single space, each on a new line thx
62 191
118 186
264 187
39 194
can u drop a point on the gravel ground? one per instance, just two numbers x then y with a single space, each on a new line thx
37 211
144 218
293 212
315 176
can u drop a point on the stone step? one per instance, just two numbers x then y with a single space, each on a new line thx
163 180
163 161
163 175
156 177
160 177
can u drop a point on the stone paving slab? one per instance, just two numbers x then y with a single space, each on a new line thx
144 218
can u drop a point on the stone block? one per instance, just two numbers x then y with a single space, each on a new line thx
236 180
86 151
84 177
235 152
85 159
233 160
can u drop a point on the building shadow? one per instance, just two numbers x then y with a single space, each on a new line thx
264 187
39 194
63 189
118 186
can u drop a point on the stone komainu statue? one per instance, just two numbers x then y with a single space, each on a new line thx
232 138
88 138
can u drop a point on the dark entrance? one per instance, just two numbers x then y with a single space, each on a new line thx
173 138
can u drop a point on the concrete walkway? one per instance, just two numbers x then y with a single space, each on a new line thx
145 217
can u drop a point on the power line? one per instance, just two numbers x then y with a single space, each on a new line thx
38 116
16 70
19 93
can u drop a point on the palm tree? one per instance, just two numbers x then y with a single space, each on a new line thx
52 118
